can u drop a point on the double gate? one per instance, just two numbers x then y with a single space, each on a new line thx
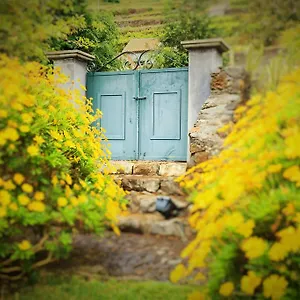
144 112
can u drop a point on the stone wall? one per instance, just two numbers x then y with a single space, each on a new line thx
229 88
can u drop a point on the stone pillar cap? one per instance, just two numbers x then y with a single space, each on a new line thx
216 43
56 55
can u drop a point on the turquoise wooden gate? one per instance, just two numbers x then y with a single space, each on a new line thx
144 112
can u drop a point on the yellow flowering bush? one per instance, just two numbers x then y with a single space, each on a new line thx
246 210
53 169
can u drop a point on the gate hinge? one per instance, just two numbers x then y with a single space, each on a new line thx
139 98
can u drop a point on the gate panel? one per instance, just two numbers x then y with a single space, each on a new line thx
113 94
163 114
144 112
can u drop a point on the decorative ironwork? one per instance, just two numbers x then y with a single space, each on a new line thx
133 61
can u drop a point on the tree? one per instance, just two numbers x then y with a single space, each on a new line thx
268 18
98 35
26 26
188 25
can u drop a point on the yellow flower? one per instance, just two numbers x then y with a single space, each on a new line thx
292 143
39 196
197 296
178 273
41 112
274 168
24 245
18 178
27 188
115 229
3 113
246 228
54 180
26 117
292 173
56 135
274 287
12 124
3 211
290 238
23 200
37 206
226 289
250 282
68 179
278 252
39 140
17 106
69 144
33 150
112 210
24 128
4 197
82 198
254 247
74 201
62 201
11 134
76 187
8 185
11 147
13 206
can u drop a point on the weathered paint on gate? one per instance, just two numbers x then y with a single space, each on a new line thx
144 112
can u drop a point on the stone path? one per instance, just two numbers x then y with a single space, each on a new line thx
130 256
151 255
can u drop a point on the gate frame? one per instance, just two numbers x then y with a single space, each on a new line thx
205 57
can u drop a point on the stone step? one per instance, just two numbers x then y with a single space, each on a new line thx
154 223
152 184
145 202
160 168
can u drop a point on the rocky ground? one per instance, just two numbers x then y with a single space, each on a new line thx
151 242
130 256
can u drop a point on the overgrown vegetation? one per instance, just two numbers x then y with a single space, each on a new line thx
246 208
29 29
27 26
98 35
271 18
187 26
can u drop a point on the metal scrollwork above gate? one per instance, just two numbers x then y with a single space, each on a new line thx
129 60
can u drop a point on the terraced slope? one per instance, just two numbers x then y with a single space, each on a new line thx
144 18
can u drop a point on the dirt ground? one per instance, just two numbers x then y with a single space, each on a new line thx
129 256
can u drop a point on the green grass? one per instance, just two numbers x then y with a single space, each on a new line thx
78 289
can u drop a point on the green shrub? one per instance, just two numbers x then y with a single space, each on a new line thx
187 26
98 35
53 169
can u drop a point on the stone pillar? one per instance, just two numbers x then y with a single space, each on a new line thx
205 57
73 63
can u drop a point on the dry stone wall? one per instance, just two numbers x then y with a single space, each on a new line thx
229 88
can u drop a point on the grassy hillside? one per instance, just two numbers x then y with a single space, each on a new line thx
145 18
138 19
